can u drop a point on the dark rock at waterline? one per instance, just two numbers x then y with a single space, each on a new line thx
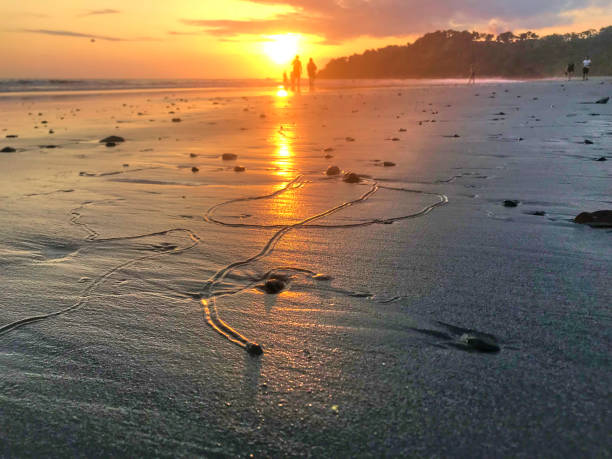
351 177
332 170
588 142
600 218
112 138
254 349
537 213
110 144
194 169
273 286
239 168
480 342
12 136
511 203
176 120
603 100
229 157
601 158
8 150
388 164
192 155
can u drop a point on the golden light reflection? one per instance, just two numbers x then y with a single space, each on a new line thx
282 92
283 138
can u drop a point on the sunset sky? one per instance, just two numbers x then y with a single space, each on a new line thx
239 38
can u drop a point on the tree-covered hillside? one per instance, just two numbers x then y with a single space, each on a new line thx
450 54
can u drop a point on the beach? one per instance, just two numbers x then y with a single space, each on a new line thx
418 314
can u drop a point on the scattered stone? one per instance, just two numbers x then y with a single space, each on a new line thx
588 142
603 100
388 164
328 156
192 155
328 149
176 120
273 286
601 158
402 130
8 150
111 144
351 177
254 349
332 170
194 169
456 136
50 146
480 342
229 157
600 218
239 168
12 136
112 138
511 203
349 139
537 213
395 139
51 131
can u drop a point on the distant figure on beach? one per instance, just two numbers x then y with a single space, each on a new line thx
569 71
296 74
586 66
312 73
285 81
472 79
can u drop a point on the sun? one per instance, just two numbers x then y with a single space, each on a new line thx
281 48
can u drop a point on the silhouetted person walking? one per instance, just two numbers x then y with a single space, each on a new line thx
472 79
586 66
569 71
312 73
296 74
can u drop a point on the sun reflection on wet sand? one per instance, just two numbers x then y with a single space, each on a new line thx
283 160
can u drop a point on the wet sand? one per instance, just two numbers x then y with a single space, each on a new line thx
413 313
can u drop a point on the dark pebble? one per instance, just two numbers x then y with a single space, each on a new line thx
239 168
351 177
332 170
511 203
112 138
388 164
254 349
194 169
8 150
229 156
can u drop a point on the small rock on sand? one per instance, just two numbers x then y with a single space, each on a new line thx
254 349
192 155
511 203
600 218
112 138
332 170
273 286
239 168
601 158
351 177
349 139
588 142
176 120
194 169
388 164
480 342
12 136
8 150
603 100
229 157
